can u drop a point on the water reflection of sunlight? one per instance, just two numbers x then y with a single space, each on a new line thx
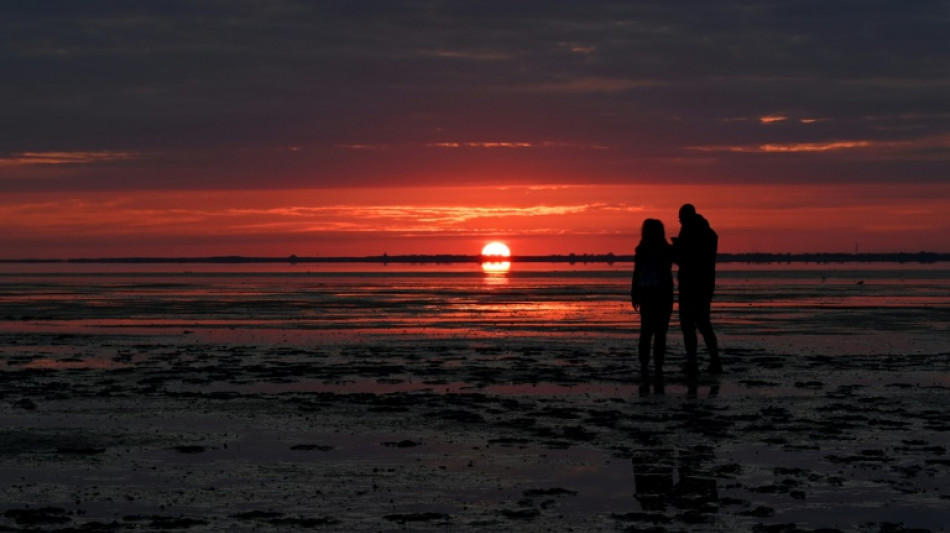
496 278
496 267
496 272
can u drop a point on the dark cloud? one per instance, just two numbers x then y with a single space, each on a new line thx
215 93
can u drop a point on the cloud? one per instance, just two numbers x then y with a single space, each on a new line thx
480 145
470 55
516 144
591 85
802 217
64 158
369 215
156 215
367 89
788 147
941 142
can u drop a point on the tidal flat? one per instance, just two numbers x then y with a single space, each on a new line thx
428 400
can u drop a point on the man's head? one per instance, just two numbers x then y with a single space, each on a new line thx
687 213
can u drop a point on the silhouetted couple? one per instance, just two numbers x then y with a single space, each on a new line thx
694 250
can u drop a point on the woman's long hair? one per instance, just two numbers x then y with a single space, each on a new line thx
652 233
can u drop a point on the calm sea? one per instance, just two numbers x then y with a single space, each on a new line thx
837 308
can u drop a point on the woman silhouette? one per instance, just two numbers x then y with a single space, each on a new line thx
652 294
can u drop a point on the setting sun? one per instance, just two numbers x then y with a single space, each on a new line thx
496 249
496 254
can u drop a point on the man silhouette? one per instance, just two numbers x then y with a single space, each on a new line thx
695 252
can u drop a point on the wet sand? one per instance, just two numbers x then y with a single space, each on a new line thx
150 405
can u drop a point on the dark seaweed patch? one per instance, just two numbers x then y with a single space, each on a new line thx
534 493
415 517
311 447
405 443
189 449
38 517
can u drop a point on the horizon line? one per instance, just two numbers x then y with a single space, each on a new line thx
610 257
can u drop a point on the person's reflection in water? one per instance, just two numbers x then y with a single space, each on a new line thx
653 477
663 478
692 388
659 389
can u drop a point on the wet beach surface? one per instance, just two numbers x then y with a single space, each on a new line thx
276 403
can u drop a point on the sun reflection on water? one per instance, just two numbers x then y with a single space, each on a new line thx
496 272
496 267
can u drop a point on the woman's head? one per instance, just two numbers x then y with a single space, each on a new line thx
652 231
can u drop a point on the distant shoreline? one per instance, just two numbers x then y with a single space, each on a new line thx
900 257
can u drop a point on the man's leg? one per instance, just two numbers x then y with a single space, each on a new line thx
687 312
704 325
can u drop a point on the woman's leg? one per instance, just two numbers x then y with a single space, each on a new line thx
646 333
665 310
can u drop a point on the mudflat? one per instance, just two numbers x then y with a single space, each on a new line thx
427 402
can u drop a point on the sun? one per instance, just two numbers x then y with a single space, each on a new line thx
495 258
496 249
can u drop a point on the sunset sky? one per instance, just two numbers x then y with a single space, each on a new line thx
326 128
